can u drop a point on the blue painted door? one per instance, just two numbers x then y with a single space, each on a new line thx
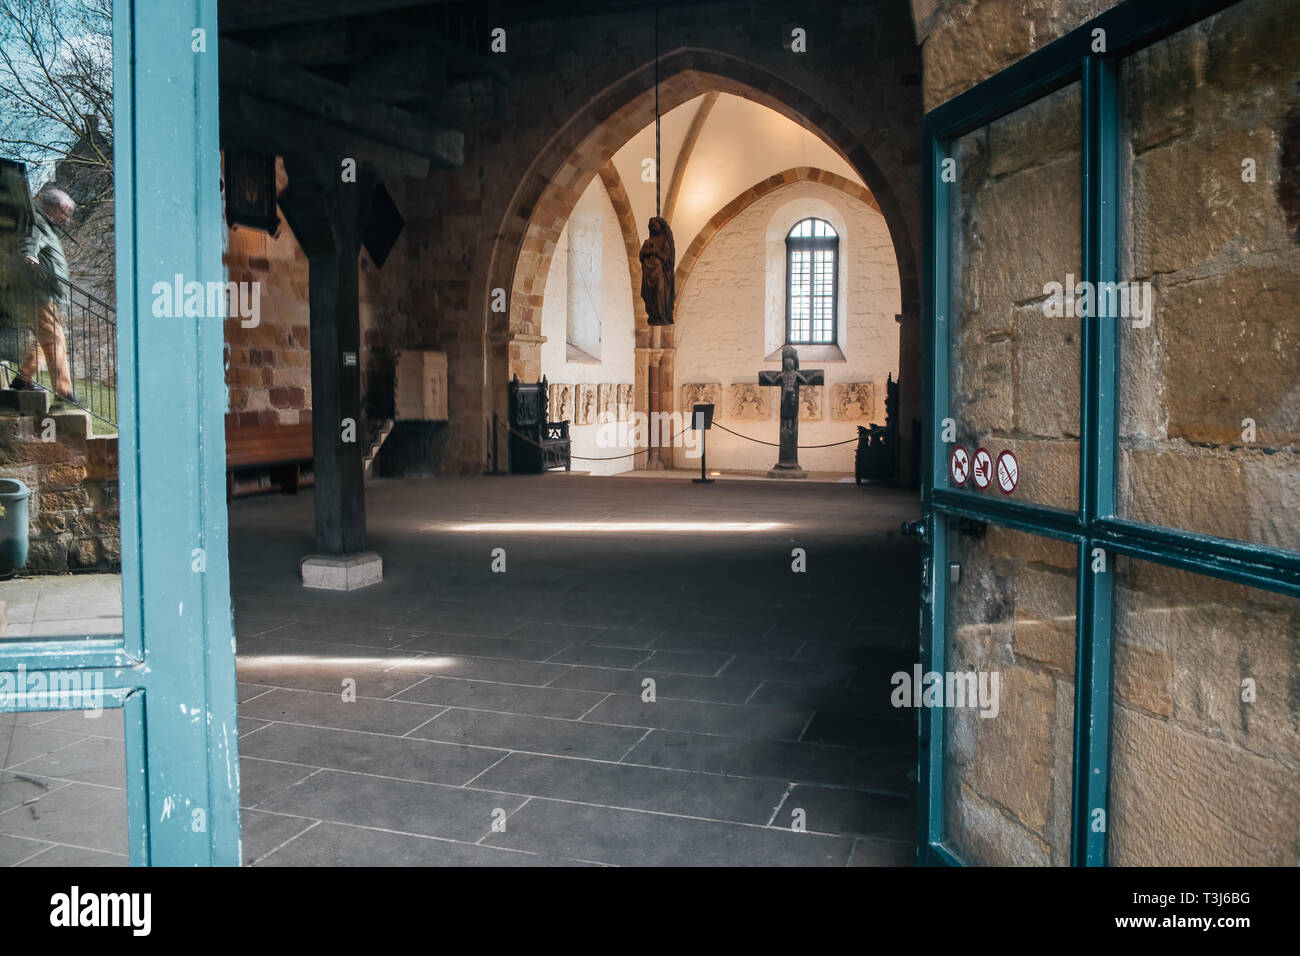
171 670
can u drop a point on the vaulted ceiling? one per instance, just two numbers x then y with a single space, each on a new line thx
713 148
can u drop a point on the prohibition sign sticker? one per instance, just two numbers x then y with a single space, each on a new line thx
959 465
982 469
1008 470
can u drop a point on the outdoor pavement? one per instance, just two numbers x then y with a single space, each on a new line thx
62 605
647 682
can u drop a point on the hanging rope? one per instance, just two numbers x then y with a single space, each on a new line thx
658 210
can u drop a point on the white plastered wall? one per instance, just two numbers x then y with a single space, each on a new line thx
731 317
610 299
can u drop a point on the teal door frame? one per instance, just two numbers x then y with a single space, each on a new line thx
1128 27
171 670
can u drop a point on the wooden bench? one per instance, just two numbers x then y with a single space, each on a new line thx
536 445
267 457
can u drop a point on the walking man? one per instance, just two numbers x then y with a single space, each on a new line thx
42 247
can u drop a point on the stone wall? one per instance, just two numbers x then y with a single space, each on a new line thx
974 39
74 506
1210 420
268 366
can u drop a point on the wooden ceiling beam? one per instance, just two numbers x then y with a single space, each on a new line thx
260 14
337 43
313 98
251 123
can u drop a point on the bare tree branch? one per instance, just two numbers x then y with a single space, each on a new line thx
56 110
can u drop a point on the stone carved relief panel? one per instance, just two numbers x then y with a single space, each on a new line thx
702 393
586 408
624 403
561 403
606 402
749 403
853 402
810 403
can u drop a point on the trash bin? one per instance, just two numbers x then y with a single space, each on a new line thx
14 497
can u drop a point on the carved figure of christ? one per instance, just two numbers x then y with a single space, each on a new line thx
789 379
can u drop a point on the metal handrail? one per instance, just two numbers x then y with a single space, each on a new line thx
90 336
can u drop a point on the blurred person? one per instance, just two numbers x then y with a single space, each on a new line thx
42 247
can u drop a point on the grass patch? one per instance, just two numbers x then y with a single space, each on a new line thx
99 399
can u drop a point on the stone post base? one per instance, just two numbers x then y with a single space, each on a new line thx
342 572
786 471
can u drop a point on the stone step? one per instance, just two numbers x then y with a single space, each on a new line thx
70 423
385 429
26 401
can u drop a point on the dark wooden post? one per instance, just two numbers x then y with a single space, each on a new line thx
328 216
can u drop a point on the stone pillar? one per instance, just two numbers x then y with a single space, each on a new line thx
654 461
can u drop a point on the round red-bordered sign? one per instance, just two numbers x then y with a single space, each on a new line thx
1008 472
959 465
982 468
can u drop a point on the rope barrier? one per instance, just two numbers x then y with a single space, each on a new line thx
642 451
759 441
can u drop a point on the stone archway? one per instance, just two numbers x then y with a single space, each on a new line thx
542 203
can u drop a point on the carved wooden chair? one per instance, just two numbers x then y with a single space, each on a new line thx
536 445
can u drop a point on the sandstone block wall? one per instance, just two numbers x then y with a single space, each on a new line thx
268 366
74 517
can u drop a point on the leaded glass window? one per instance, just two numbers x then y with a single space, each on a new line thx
812 276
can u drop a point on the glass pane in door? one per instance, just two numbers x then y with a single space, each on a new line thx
1013 331
1210 373
1206 745
60 548
1007 759
62 787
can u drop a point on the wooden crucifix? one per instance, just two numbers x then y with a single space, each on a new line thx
789 379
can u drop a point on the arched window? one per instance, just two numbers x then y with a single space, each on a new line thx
812 251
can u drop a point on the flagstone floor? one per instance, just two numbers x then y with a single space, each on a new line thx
643 680
62 605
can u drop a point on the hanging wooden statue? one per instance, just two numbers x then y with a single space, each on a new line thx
658 273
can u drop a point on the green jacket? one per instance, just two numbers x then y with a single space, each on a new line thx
43 244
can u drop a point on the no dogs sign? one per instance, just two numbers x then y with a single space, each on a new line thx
1008 472
959 466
